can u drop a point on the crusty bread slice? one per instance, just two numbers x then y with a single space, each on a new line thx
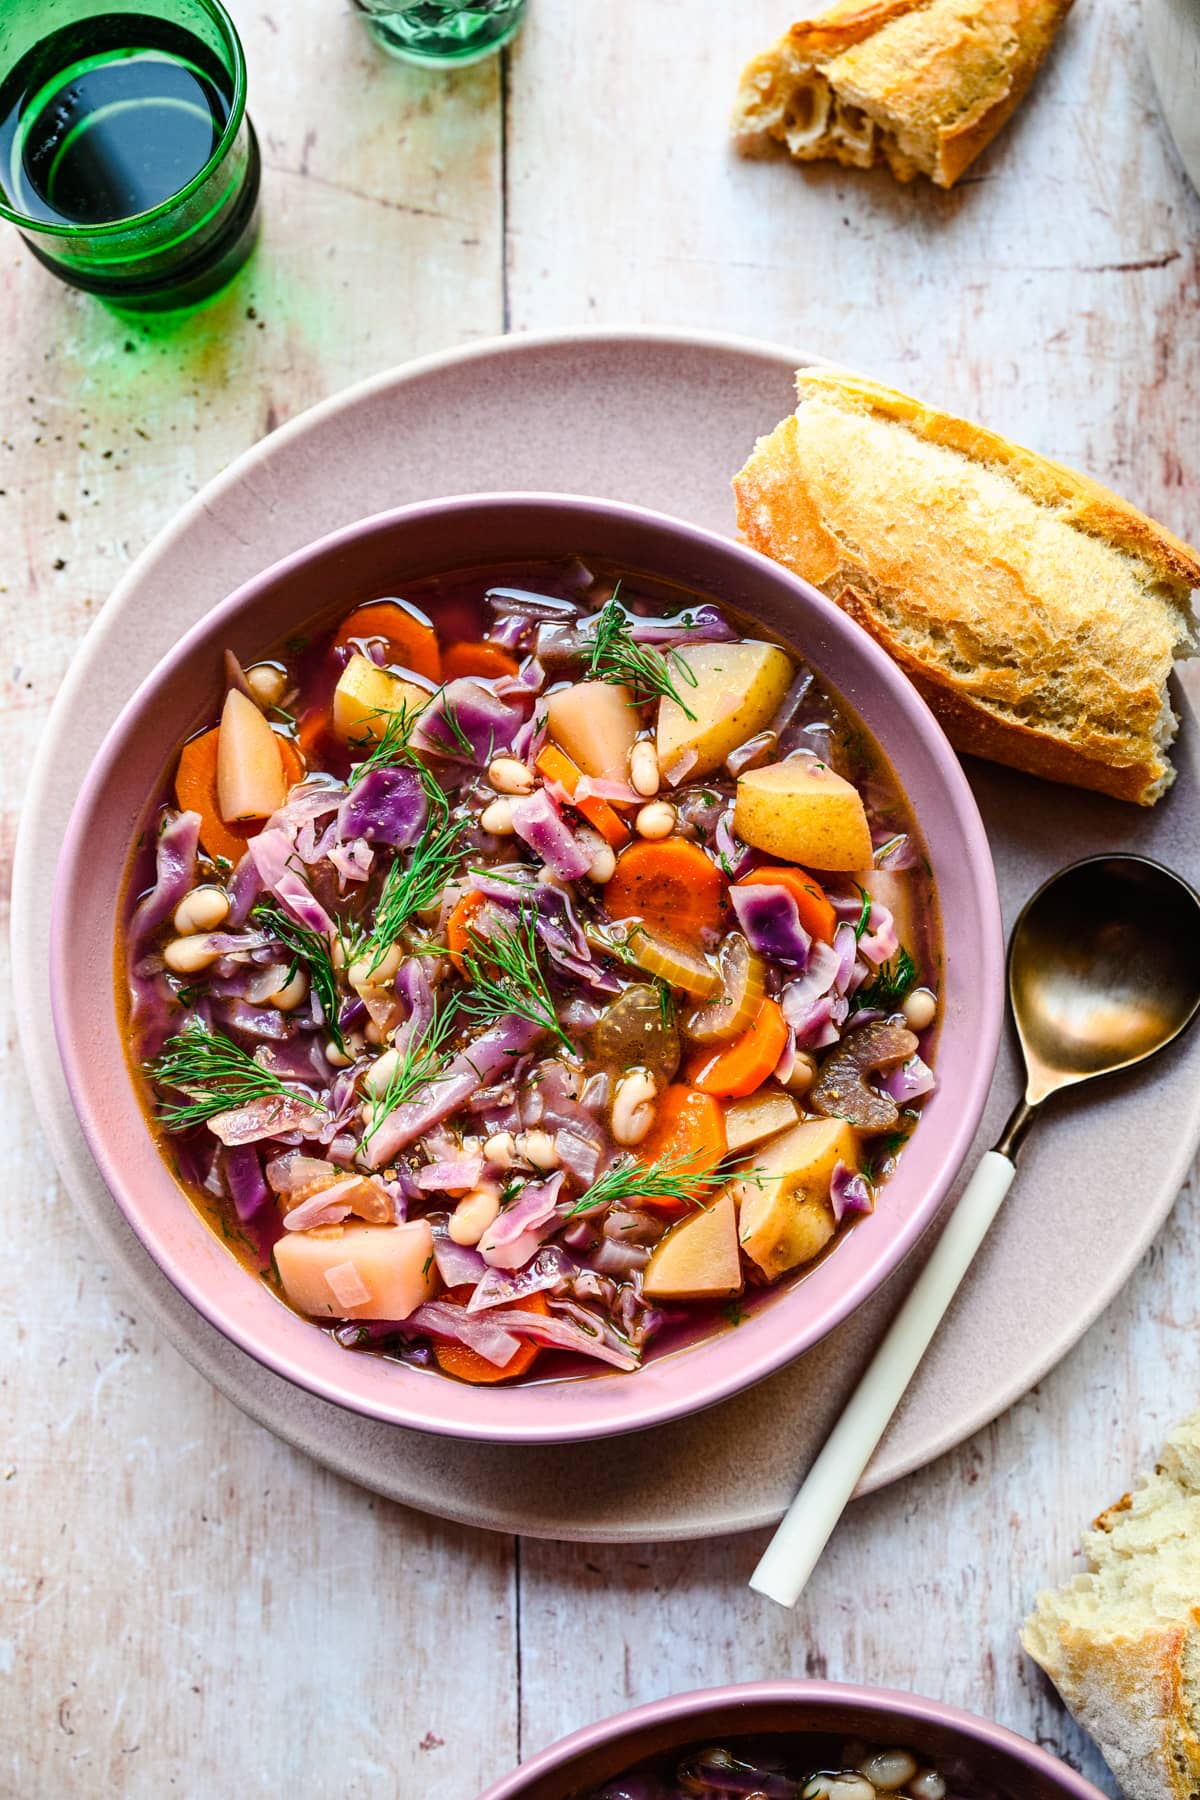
1122 1643
921 84
1037 613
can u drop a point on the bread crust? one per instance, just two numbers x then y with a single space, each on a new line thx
1037 613
934 81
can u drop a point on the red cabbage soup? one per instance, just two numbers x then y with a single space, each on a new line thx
809 1769
526 974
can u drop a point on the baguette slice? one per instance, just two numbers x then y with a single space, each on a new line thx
921 84
1122 1643
1038 614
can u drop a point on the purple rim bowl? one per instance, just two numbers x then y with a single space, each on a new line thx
376 556
1018 1769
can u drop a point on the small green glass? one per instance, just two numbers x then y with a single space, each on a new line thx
442 34
127 160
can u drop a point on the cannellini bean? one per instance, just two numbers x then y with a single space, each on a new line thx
927 1785
292 994
508 776
538 1148
657 820
888 1770
474 1213
501 1150
497 818
379 1075
635 1102
188 955
336 1056
603 865
267 684
366 972
373 1032
850 1787
643 768
920 1009
804 1073
202 910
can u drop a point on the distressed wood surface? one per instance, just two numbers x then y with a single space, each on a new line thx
187 1605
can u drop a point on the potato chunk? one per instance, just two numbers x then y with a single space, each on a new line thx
368 1272
698 1258
595 723
737 693
367 695
250 778
784 1212
758 1117
805 813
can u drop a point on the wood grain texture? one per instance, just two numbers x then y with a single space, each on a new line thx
187 1606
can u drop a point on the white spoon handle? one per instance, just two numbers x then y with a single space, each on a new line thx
805 1529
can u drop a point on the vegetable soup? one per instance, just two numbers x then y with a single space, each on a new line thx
773 1769
528 973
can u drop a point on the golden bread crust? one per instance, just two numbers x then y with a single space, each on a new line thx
1038 614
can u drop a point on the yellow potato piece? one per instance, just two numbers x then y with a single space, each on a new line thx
368 1272
595 722
698 1259
805 813
758 1117
366 696
737 693
250 779
784 1212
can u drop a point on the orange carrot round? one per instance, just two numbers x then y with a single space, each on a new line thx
411 643
458 927
688 1131
196 791
557 766
468 1365
488 661
671 886
816 910
747 1062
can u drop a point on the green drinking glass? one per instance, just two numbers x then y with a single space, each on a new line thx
127 160
442 34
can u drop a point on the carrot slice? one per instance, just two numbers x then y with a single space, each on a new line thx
411 643
747 1062
196 791
487 660
671 886
468 1365
812 903
556 765
458 927
688 1130
313 728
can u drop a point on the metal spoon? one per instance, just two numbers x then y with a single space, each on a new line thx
1103 971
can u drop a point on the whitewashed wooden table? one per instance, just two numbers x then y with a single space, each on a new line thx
188 1606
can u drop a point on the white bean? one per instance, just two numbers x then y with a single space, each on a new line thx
501 1150
508 776
889 1769
635 1102
804 1073
920 1009
850 1787
928 1785
474 1213
497 818
202 910
335 1055
267 684
538 1148
379 1075
643 768
188 955
603 865
373 1032
657 820
292 994
365 972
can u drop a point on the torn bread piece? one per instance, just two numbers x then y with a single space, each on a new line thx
922 85
1122 1643
1038 614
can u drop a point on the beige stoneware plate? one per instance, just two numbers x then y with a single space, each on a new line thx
662 421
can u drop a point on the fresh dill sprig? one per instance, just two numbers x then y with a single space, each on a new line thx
666 1005
409 887
420 1064
392 746
447 714
216 1076
617 657
311 949
504 976
674 1178
891 983
864 916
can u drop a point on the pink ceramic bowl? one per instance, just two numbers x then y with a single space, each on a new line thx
377 556
1010 1766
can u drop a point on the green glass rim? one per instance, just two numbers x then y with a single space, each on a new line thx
115 227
